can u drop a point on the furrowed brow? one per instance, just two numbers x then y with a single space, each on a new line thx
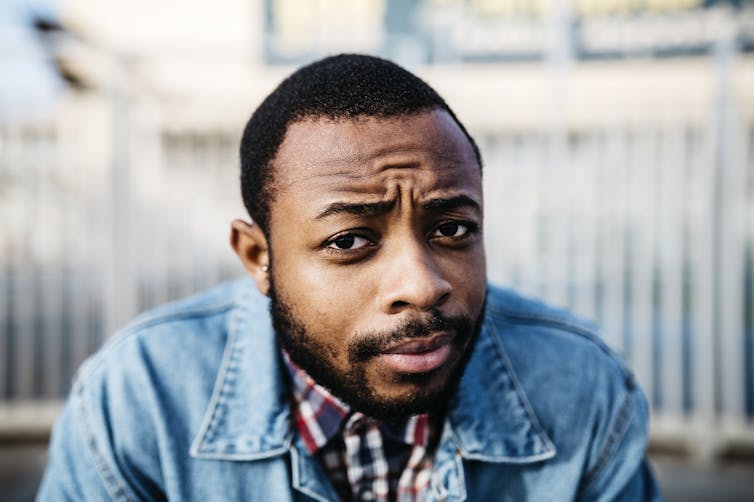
440 205
358 209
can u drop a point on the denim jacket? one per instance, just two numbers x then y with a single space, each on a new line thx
189 403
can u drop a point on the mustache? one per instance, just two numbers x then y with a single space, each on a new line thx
369 344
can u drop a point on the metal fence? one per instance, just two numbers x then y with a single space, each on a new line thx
104 214
649 231
645 225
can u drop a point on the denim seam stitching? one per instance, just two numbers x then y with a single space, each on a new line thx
113 487
150 321
622 421
219 395
551 322
546 319
129 332
549 447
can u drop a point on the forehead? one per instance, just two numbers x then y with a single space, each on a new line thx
321 158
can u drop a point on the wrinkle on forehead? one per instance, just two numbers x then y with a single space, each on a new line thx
423 155
355 172
375 180
354 149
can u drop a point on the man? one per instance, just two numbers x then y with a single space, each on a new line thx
367 359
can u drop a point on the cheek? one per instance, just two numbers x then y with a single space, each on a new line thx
319 307
467 273
332 295
321 300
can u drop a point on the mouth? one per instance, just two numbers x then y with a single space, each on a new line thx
418 356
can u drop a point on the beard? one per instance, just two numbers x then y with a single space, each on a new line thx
352 387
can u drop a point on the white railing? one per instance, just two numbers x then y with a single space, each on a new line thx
96 228
646 225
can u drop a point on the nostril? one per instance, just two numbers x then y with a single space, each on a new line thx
400 304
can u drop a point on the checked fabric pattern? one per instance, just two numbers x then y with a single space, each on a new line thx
365 459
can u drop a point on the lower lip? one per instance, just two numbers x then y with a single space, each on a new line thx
416 363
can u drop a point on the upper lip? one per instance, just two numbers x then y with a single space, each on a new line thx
421 345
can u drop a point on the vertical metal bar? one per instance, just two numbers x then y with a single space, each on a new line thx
25 294
496 205
88 277
6 245
119 295
671 182
729 257
642 214
614 170
583 227
51 286
183 255
158 264
511 188
748 130
203 257
553 238
701 243
532 157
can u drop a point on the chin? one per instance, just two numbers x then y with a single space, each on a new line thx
412 394
402 407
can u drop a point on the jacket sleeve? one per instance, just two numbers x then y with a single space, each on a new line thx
79 466
621 471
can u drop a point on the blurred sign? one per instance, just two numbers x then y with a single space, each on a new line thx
500 30
302 29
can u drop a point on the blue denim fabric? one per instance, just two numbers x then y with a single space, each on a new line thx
189 403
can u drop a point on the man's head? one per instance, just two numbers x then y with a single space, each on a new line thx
341 87
367 198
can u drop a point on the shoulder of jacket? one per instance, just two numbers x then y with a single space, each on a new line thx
177 318
536 324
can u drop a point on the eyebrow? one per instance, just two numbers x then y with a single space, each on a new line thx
451 203
358 209
382 207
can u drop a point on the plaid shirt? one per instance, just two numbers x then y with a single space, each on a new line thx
364 458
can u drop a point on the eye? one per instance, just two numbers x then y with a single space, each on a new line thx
451 229
347 242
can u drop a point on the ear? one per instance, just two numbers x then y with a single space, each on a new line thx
250 244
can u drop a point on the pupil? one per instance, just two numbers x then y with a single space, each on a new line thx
344 242
449 229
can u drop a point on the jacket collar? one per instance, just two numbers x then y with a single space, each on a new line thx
248 416
490 416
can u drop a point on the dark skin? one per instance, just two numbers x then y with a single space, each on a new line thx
375 223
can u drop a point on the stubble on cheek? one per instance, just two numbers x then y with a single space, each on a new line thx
346 363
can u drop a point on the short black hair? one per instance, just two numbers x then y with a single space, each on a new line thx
346 86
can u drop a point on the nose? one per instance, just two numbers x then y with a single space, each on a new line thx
413 280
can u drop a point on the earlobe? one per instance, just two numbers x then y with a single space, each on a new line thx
250 244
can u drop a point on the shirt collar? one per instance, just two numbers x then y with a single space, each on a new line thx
248 416
319 416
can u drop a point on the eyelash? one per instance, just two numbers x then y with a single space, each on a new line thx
472 228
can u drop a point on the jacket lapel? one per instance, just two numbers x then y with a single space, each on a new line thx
490 415
248 413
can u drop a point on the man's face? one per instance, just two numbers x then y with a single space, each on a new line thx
377 260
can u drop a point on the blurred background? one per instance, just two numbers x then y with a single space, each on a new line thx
617 135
